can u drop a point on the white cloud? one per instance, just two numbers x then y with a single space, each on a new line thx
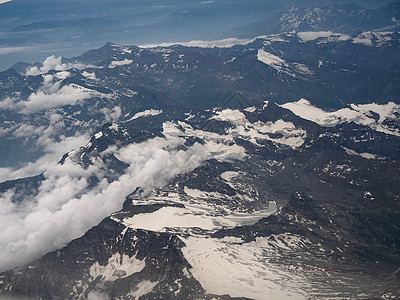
51 95
54 63
49 141
25 130
111 115
8 103
67 95
4 130
63 209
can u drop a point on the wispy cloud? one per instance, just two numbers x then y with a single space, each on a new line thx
8 50
8 103
46 137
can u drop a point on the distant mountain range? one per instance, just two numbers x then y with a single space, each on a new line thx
346 18
33 30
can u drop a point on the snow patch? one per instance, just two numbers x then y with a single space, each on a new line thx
371 115
231 115
370 38
89 75
146 113
242 269
143 288
250 109
118 266
364 154
365 38
281 132
228 175
192 216
272 60
98 135
220 147
116 63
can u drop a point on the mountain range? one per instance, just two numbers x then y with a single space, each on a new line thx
262 202
245 168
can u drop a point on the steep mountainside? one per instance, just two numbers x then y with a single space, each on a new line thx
260 203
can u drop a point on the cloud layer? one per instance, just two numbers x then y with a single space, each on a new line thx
64 209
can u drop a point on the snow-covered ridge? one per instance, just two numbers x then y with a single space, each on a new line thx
365 38
281 65
283 133
146 113
224 43
272 60
372 115
307 36
369 38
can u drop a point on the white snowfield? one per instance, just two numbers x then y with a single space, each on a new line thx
198 213
371 115
116 63
228 266
280 65
291 135
146 113
119 266
272 60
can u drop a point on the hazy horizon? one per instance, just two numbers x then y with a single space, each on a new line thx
34 30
